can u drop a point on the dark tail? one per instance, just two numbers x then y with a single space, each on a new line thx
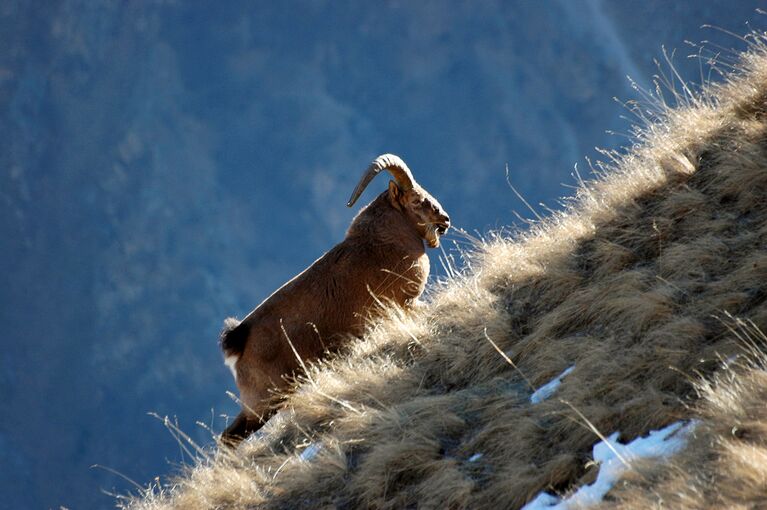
233 337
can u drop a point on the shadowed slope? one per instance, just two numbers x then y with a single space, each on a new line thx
626 286
725 464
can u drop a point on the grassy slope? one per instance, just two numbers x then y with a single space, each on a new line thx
626 285
725 465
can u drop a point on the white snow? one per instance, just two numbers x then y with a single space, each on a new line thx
543 501
615 459
548 389
476 457
310 452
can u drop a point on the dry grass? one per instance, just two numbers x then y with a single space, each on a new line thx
627 285
725 464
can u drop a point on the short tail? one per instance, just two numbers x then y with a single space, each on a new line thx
233 337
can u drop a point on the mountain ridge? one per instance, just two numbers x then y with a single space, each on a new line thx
625 294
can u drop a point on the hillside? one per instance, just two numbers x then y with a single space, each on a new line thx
635 287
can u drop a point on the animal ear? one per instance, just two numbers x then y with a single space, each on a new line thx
394 194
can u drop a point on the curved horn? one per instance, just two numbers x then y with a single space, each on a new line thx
389 162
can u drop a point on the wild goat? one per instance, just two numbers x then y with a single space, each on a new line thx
381 259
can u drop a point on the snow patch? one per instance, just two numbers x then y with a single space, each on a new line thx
543 501
475 457
615 459
548 389
310 452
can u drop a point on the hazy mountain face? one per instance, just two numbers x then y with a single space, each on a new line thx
164 165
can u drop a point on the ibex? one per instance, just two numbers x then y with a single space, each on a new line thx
381 259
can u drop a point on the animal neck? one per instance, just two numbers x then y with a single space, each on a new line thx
380 220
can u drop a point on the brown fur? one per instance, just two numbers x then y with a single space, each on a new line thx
628 285
381 260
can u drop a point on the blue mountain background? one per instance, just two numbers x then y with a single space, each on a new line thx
165 164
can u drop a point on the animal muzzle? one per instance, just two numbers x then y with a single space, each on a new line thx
435 231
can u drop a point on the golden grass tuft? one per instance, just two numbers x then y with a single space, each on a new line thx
628 285
725 463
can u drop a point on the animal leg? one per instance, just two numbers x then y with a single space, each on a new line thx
242 427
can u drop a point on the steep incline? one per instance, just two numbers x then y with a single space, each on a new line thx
631 287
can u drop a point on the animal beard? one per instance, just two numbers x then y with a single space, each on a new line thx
432 237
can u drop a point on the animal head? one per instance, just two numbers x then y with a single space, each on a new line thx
423 210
